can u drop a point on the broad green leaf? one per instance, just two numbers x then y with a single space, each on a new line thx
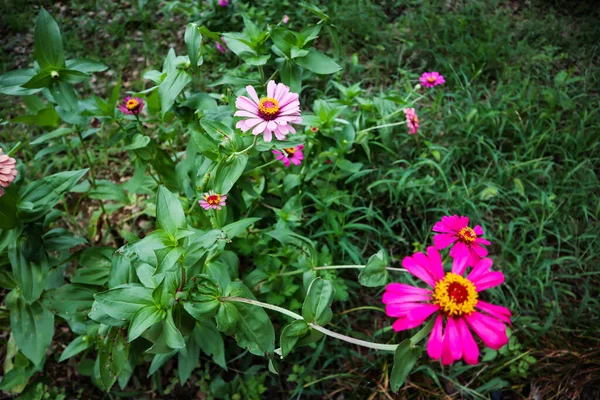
238 228
317 305
30 274
159 360
143 319
40 80
85 65
229 173
72 76
211 342
8 208
170 261
169 213
10 82
32 326
284 39
309 33
107 190
188 360
137 142
81 343
97 276
193 42
65 97
318 63
375 273
113 352
405 358
51 135
173 336
315 10
48 42
203 298
124 301
71 302
290 336
170 87
291 75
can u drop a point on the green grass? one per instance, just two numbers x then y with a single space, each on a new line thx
512 140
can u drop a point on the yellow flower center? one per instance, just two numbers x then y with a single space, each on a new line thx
290 151
455 295
132 104
213 199
268 108
467 235
431 79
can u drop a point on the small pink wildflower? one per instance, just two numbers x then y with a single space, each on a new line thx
223 3
412 120
454 299
431 79
131 105
468 250
285 19
221 48
212 200
271 115
290 154
8 171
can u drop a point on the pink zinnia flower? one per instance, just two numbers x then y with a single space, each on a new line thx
131 105
221 48
212 200
468 249
412 120
8 171
431 79
455 301
269 115
285 19
290 154
223 3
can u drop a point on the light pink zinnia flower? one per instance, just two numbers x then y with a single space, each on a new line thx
285 19
269 115
223 3
8 171
412 120
212 200
468 249
221 48
455 300
431 79
290 154
131 105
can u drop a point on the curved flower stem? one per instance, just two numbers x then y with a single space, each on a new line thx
271 77
348 339
381 126
247 149
337 267
261 166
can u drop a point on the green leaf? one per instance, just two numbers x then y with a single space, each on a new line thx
60 132
124 301
238 228
375 273
211 342
107 190
86 66
81 343
290 336
318 63
308 34
170 87
8 208
71 302
188 359
284 39
159 360
405 358
137 142
170 262
72 76
32 325
173 336
193 42
64 95
204 298
317 305
315 10
143 319
228 174
48 42
113 353
10 82
40 80
30 274
169 213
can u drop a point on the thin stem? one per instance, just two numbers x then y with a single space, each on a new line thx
337 267
272 76
348 339
382 126
247 149
262 73
423 332
261 166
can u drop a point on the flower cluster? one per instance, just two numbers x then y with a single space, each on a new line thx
8 171
452 298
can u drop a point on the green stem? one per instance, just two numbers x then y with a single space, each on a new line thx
262 73
348 339
272 76
382 126
261 166
247 149
336 267
14 150
423 332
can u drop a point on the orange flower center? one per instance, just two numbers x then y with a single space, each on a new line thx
213 199
268 108
132 104
467 235
290 151
455 295
431 79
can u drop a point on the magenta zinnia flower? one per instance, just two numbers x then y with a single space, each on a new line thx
131 105
8 171
223 3
285 19
269 115
468 249
431 79
221 48
290 154
212 200
455 300
412 120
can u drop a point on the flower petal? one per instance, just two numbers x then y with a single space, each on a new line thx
492 334
499 312
443 240
460 253
252 94
434 345
470 350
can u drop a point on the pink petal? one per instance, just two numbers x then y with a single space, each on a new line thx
246 104
414 267
280 91
434 345
400 309
470 349
260 128
295 161
271 89
463 221
279 135
499 312
482 241
392 298
271 125
451 345
492 332
480 269
401 288
240 113
460 253
489 280
286 161
402 324
443 240
422 312
435 263
479 250
267 137
478 230
252 94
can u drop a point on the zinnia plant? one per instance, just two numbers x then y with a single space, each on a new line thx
131 105
289 155
8 171
271 115
454 299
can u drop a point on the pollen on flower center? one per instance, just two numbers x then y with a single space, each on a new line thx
467 235
290 151
213 199
132 104
455 295
268 108
431 79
